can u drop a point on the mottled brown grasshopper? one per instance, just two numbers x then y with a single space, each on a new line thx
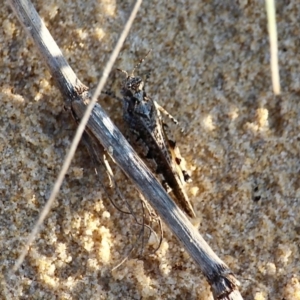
144 119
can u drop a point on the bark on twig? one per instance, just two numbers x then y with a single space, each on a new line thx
223 283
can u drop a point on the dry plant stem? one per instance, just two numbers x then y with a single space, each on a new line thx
223 283
271 14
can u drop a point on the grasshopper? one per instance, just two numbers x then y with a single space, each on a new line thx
144 119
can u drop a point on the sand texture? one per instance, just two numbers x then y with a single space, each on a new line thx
210 69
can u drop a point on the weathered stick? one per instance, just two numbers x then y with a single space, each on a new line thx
223 283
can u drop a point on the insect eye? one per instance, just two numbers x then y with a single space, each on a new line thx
129 85
132 85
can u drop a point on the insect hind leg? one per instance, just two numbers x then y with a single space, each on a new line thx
166 113
180 161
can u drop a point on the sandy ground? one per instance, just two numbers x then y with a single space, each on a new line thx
210 69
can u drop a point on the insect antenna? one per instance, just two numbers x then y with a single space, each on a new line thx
140 62
122 71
